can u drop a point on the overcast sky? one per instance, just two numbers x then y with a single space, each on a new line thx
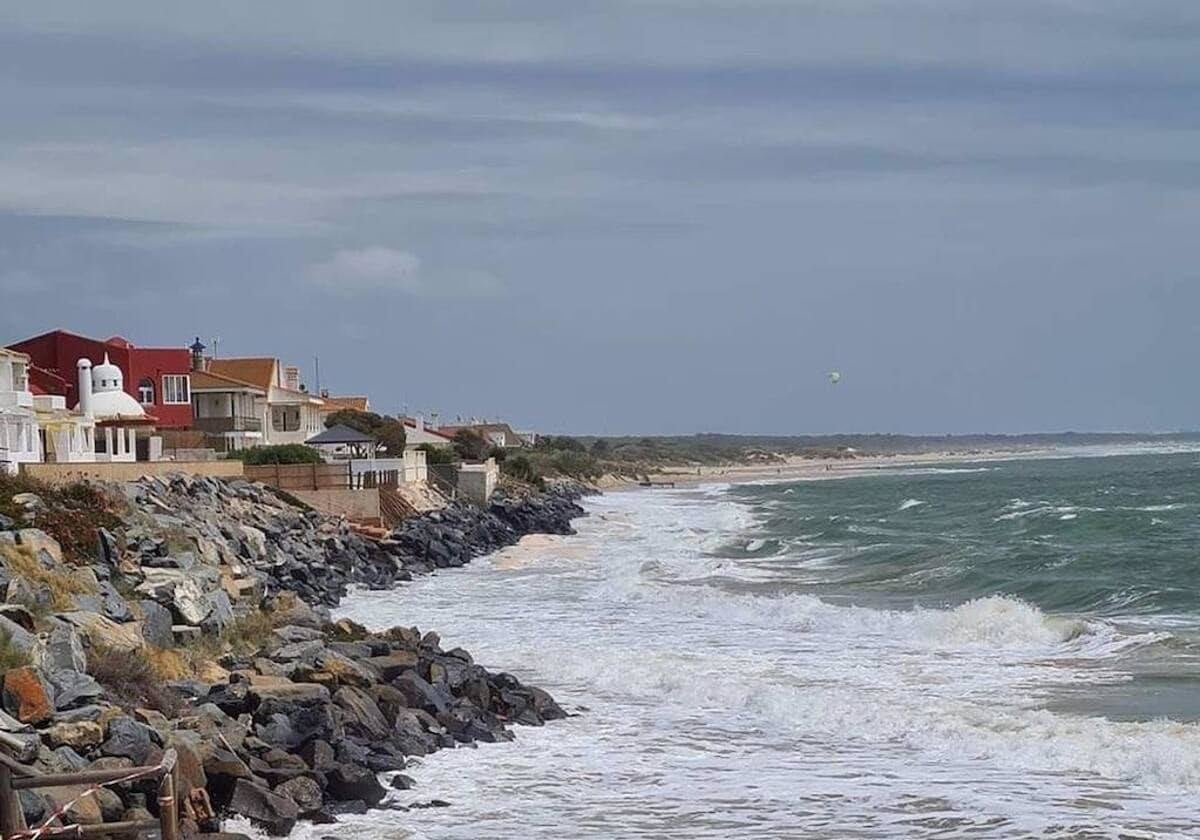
653 216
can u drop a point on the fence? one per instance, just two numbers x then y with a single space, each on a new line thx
16 777
303 476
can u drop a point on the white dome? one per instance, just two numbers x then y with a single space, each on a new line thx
107 377
110 405
109 400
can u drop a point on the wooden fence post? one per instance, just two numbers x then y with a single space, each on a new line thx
9 807
168 807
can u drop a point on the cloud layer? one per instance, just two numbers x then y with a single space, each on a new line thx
641 214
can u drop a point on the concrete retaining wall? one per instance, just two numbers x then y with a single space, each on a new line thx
129 471
357 505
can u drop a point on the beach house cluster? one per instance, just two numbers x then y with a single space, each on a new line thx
66 398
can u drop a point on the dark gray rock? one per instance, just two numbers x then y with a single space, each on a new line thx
72 689
156 624
128 739
346 783
275 813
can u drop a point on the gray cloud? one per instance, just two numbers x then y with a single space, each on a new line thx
981 213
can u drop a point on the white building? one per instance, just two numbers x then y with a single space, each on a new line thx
117 415
252 401
20 442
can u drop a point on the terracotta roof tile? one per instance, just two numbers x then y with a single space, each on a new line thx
259 372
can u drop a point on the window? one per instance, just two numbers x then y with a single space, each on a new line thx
176 390
146 392
285 419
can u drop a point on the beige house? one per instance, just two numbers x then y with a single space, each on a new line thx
254 401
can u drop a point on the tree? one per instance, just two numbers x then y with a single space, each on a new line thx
389 431
601 448
438 454
470 445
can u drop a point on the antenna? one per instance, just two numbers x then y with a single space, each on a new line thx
317 365
216 343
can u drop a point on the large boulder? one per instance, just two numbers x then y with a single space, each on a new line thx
273 812
80 735
26 696
361 716
305 792
128 739
72 689
64 651
420 694
156 624
349 782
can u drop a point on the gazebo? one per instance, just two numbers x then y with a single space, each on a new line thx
342 442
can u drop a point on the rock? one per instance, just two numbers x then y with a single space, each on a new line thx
275 813
18 637
68 760
85 810
402 782
35 596
25 696
291 693
111 806
72 689
101 631
128 739
394 664
189 766
156 624
318 755
362 717
305 792
347 782
420 694
82 735
19 615
108 552
293 633
34 806
39 542
64 651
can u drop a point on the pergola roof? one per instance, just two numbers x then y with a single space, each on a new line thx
340 435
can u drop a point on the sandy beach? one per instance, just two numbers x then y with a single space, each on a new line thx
795 467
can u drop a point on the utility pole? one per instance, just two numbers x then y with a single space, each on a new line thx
317 366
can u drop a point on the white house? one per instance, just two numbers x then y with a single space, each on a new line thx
20 442
416 434
254 401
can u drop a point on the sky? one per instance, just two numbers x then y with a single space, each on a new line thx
647 216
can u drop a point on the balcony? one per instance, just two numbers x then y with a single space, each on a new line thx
225 425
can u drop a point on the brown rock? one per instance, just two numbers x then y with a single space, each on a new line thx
25 696
79 735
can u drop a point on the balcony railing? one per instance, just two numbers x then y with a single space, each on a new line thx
220 425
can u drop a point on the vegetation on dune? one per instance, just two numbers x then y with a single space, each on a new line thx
72 513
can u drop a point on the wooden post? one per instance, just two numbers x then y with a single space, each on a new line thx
168 807
12 819
277 481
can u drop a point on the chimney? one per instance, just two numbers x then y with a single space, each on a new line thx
291 377
197 349
420 423
84 368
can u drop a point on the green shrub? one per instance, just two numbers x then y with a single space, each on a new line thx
438 454
287 453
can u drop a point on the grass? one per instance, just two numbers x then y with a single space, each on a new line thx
131 679
21 562
10 655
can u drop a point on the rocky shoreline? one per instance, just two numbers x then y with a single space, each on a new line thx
201 625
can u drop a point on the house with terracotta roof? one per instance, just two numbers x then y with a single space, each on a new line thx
251 401
355 403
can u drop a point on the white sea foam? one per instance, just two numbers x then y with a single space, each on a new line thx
719 712
910 503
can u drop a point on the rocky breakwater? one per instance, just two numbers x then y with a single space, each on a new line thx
200 624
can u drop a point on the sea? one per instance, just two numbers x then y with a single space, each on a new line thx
992 649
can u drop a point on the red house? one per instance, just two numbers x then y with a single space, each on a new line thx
157 377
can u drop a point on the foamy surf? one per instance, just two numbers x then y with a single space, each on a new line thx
724 701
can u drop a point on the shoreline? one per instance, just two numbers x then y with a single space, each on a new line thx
796 468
